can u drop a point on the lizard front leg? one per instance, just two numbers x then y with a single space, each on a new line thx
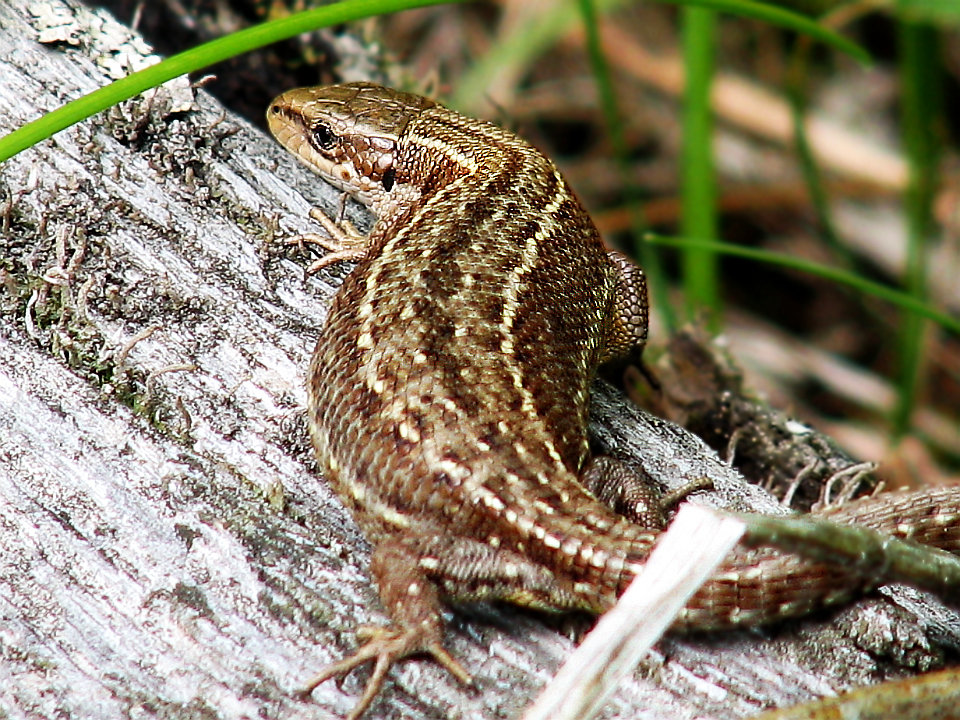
343 242
629 317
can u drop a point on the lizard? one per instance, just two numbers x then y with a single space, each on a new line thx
448 390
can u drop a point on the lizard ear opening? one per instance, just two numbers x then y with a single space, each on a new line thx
388 177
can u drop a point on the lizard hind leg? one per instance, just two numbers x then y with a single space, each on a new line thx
413 602
386 645
415 573
631 492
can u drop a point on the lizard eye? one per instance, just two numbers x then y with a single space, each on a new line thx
322 137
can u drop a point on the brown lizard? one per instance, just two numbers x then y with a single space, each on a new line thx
448 391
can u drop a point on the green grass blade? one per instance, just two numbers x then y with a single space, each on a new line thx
796 91
902 300
783 18
196 59
698 182
940 11
920 78
649 257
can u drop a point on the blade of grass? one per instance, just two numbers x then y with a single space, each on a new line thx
920 89
196 59
796 91
775 15
698 185
944 11
900 299
649 257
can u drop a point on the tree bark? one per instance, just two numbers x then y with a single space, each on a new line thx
169 549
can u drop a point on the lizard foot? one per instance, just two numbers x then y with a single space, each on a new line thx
387 645
343 242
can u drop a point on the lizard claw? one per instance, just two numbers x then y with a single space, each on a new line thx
386 646
449 663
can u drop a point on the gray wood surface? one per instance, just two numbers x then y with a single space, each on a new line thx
168 548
